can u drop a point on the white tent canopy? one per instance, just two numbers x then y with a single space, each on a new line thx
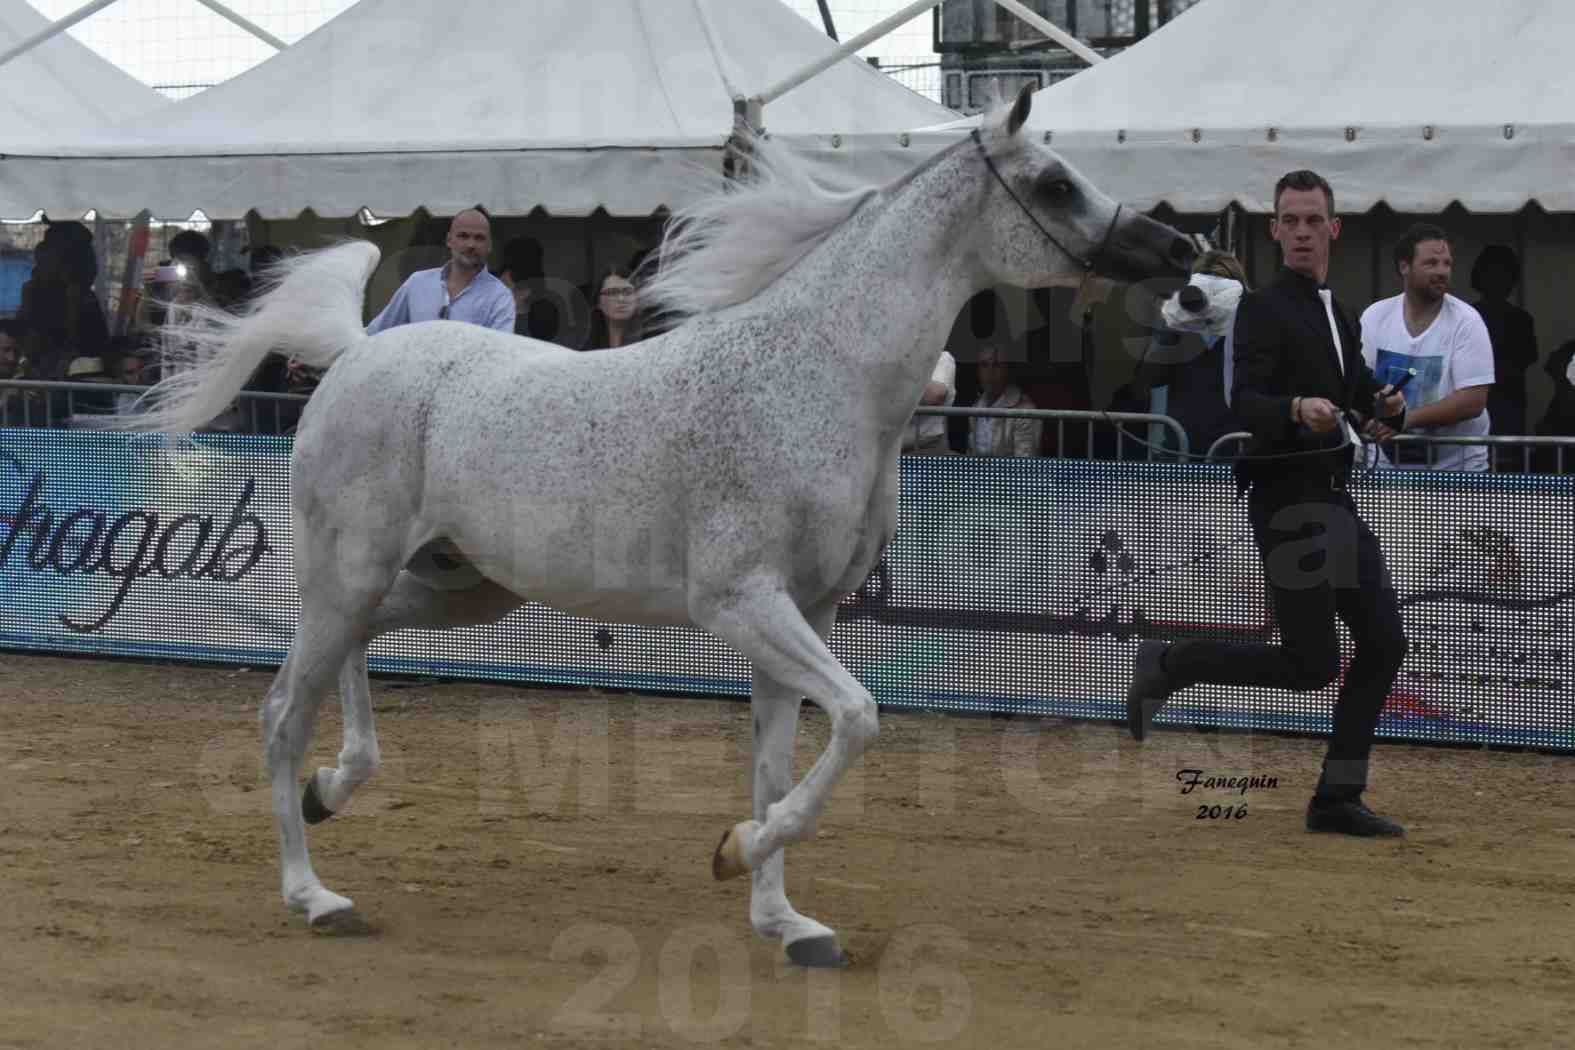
1416 105
61 88
616 104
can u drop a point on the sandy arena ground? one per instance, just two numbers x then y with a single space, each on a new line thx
999 883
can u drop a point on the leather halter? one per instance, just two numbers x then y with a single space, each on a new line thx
1090 263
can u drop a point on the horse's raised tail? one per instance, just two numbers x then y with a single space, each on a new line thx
311 310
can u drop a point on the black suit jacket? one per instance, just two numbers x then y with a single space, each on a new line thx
1284 350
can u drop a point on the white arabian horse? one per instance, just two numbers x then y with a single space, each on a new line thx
738 473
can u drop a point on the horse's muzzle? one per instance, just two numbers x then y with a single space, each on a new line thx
1143 249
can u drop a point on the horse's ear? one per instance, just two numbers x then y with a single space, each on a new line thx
1020 108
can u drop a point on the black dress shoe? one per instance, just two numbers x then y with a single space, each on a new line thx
1151 686
1350 817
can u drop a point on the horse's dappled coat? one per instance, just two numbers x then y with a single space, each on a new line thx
738 472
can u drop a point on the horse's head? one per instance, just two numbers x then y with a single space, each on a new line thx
1043 221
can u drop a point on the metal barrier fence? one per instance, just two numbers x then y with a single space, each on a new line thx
36 403
33 403
1062 416
1414 450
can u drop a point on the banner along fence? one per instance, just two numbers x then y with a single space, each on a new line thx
1014 585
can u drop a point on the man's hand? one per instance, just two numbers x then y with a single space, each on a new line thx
1318 414
1389 406
1379 431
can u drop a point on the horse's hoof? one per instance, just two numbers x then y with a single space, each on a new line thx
817 953
728 860
312 809
346 922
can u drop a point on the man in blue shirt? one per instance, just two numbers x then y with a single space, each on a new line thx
459 290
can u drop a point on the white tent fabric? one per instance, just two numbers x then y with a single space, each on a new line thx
61 88
619 104
1414 104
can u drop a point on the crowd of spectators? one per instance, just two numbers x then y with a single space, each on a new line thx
1472 360
60 333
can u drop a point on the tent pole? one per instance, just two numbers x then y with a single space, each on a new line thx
101 255
747 120
873 33
1053 31
913 10
1519 222
131 276
54 29
1375 218
749 111
251 27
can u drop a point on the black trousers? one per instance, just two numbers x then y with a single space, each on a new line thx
1321 561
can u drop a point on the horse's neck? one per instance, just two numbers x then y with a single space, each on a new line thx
884 289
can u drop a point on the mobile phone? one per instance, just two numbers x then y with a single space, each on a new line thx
1394 388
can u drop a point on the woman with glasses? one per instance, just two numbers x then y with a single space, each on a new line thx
615 314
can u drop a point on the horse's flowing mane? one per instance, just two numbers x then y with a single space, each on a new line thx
729 246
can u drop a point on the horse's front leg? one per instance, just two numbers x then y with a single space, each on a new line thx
775 709
762 622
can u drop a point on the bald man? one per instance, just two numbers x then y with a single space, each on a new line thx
459 290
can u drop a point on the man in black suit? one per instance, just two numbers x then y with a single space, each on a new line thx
1300 383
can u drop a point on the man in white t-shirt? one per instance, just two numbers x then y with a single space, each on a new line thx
1443 338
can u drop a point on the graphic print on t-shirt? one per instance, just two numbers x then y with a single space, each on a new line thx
1425 387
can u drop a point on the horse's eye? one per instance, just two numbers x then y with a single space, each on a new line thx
1058 191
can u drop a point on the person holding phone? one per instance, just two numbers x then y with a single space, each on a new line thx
1426 332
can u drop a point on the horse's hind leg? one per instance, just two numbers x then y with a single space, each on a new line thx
410 603
341 584
328 791
289 715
